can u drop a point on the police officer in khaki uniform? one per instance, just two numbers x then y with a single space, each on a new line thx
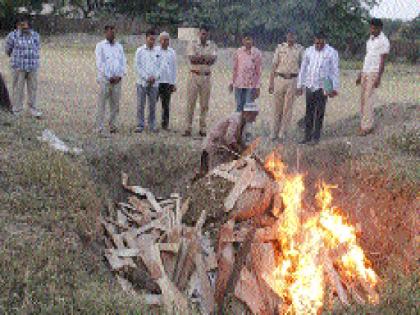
285 69
202 54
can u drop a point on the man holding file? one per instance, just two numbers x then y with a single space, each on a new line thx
320 76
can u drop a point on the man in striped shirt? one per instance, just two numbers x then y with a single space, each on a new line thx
320 76
23 47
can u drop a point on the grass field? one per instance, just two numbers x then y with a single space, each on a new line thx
50 245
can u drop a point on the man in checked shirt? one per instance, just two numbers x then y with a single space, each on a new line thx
23 47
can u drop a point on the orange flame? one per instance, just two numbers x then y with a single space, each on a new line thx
299 276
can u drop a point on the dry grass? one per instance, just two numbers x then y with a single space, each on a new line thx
50 202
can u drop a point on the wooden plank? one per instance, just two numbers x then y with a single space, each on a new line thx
155 224
206 290
141 206
225 261
151 198
169 247
242 184
122 219
136 218
334 279
151 299
124 252
171 296
248 291
186 269
126 285
225 175
115 262
263 262
185 207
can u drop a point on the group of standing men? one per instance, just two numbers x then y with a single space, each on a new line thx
314 71
156 68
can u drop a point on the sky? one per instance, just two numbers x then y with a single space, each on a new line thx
397 9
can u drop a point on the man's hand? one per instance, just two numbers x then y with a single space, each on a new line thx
151 80
257 93
173 88
271 89
115 80
359 79
299 92
377 82
334 93
230 87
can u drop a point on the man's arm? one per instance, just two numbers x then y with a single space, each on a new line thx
231 136
174 69
235 71
335 73
10 43
37 42
99 61
258 70
141 72
124 61
303 71
381 70
273 70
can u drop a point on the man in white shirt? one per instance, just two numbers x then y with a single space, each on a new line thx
112 66
320 75
167 82
377 48
148 67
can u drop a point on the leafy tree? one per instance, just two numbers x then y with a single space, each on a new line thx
166 12
9 10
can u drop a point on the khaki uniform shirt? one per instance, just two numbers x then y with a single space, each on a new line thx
196 49
287 59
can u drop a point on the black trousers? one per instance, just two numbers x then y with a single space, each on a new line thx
165 91
315 110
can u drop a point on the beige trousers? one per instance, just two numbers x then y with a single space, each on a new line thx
367 100
284 96
108 93
18 90
198 86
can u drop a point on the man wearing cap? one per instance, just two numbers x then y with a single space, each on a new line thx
202 55
285 69
225 140
167 82
377 49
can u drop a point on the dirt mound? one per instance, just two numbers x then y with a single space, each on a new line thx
165 168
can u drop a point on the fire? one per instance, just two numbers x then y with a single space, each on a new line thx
300 277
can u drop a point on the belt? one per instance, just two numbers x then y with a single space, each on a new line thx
287 75
200 73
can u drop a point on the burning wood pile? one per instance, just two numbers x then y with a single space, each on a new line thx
271 254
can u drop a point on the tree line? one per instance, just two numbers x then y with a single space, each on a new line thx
346 22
